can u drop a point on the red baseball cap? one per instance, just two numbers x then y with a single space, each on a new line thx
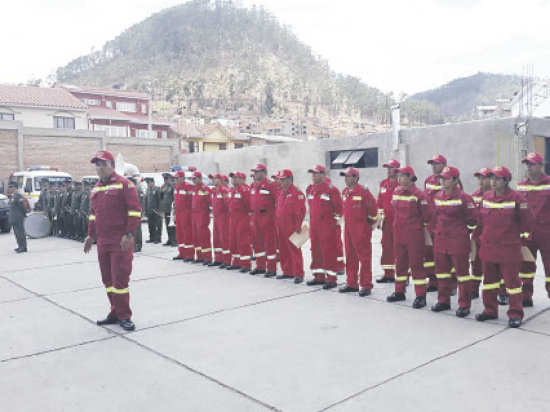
450 172
501 171
407 170
196 174
179 173
317 169
282 174
350 171
224 177
533 158
215 176
275 176
485 171
102 155
237 174
259 167
191 168
392 163
438 159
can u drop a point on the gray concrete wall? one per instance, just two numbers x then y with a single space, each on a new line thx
468 146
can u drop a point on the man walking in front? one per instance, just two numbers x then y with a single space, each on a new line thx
18 212
115 213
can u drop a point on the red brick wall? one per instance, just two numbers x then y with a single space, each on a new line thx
8 153
146 158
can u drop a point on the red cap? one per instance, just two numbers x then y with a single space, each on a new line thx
191 168
533 158
237 174
392 163
281 174
224 177
317 169
215 176
275 176
102 155
196 174
408 170
259 167
179 173
438 159
485 171
350 171
501 171
450 172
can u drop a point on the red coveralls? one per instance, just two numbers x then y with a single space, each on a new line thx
504 220
241 230
387 261
411 214
115 210
263 196
183 197
325 207
291 210
537 194
341 264
360 212
222 237
432 186
455 215
201 222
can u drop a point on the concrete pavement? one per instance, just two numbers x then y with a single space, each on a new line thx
210 340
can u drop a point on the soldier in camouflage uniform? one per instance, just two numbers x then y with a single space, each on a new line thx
75 210
57 220
66 199
138 236
167 199
84 211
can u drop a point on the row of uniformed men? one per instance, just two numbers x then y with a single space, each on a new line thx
67 206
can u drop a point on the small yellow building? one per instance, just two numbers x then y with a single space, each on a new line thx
209 137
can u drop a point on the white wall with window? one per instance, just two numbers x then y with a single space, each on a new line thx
63 122
144 133
143 108
113 131
90 102
126 107
6 114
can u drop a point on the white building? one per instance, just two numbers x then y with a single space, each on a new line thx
532 101
42 107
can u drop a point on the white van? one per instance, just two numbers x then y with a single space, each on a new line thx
29 181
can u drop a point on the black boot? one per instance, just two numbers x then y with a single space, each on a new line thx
440 307
419 302
396 297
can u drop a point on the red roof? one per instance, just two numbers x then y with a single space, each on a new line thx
98 112
39 97
104 91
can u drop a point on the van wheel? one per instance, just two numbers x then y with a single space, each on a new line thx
5 227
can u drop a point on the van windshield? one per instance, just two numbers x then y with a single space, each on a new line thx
51 179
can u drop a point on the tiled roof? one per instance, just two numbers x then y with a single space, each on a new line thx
98 112
39 97
104 91
144 118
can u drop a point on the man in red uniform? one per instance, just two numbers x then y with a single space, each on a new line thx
241 231
360 212
340 261
505 219
220 210
385 194
432 185
411 215
182 205
263 197
115 213
455 217
201 220
325 209
290 210
536 189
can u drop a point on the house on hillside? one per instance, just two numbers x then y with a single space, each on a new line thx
120 113
51 108
209 137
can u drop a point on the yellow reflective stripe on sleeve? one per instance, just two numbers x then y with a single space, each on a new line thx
401 278
340 259
107 187
134 213
260 254
514 291
548 279
271 257
477 199
405 198
502 205
527 275
433 187
463 278
357 198
452 202
443 275
502 281
524 235
198 248
429 264
207 250
479 278
245 257
91 218
420 281
473 227
529 188
490 286
112 289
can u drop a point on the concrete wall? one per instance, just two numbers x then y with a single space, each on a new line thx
468 146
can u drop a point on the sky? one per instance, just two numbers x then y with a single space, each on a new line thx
401 46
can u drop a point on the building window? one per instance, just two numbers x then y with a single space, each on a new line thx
109 104
113 131
90 102
164 134
60 122
239 145
223 146
144 108
193 147
126 107
359 158
144 133
7 116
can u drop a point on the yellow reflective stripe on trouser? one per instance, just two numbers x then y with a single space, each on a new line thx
527 275
420 282
443 275
502 281
134 213
490 286
478 278
91 218
198 248
260 254
388 266
463 278
429 264
117 291
514 291
401 278
207 250
548 279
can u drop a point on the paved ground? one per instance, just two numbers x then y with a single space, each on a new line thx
212 340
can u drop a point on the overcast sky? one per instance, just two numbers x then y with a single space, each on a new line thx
395 45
